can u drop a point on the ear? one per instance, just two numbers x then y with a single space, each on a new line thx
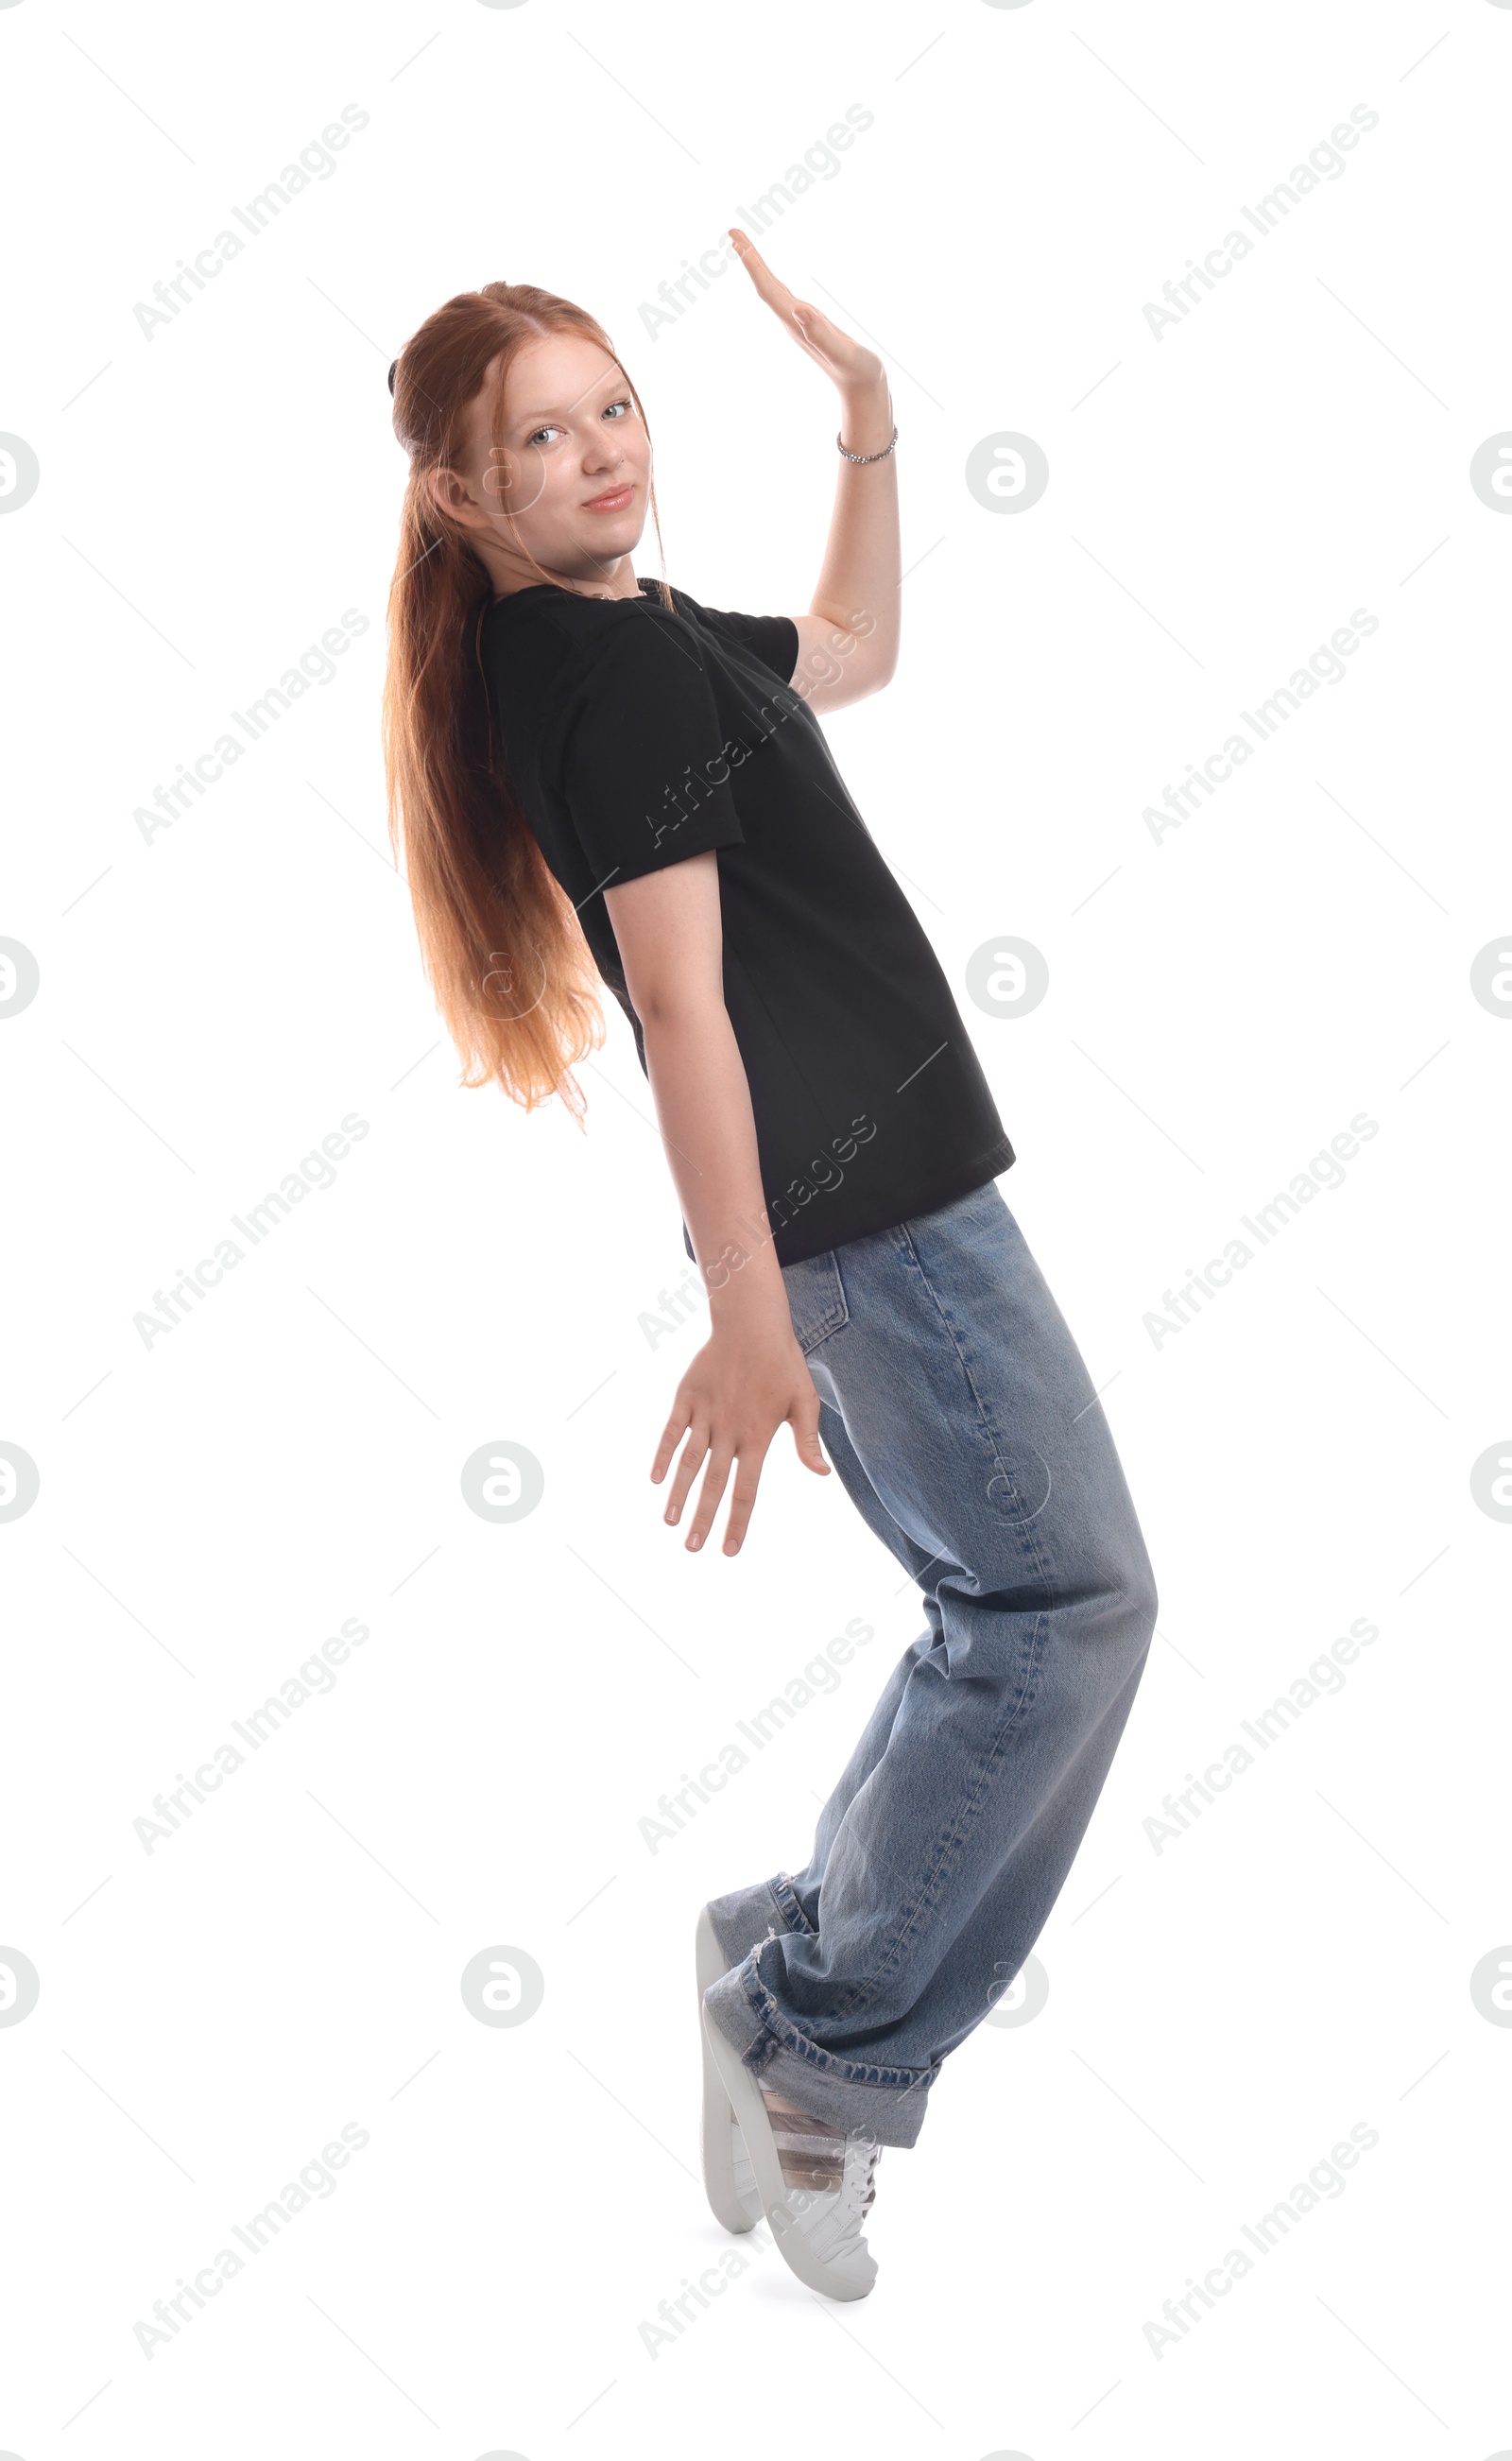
450 494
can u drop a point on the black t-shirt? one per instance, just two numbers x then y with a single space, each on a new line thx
636 736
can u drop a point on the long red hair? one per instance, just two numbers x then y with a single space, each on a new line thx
504 953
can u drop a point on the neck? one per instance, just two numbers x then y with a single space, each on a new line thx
617 582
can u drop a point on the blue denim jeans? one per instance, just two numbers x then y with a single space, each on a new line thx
959 1417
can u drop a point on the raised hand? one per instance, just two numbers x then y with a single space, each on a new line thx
848 363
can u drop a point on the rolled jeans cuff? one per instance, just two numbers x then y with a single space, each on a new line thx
747 1916
885 2103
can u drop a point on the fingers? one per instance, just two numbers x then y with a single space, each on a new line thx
747 1478
804 1423
773 291
687 1470
709 1494
751 257
677 1420
809 326
714 1444
837 353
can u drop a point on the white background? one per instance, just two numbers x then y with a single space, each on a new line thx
1222 1002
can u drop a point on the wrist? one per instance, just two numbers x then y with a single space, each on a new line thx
740 1293
865 389
866 418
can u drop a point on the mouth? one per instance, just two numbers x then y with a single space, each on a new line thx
613 500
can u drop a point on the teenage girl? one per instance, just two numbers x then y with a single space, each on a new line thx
596 781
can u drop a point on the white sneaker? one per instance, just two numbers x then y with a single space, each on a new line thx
729 2183
818 2229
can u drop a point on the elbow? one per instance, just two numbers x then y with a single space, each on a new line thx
677 1010
873 663
870 675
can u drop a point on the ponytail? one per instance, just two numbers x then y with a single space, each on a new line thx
513 976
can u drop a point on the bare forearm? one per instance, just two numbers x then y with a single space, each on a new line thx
703 1107
858 583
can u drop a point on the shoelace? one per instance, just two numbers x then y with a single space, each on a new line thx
847 2240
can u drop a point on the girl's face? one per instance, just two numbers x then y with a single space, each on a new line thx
567 478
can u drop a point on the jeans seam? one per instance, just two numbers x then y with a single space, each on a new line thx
780 2034
833 1317
781 1889
864 1993
1003 1471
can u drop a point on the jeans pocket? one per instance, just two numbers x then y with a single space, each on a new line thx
817 1298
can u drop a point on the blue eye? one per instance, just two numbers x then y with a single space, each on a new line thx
550 429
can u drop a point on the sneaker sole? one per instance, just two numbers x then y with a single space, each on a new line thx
716 2118
748 2106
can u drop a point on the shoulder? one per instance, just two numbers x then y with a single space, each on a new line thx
577 611
549 621
637 649
584 679
542 649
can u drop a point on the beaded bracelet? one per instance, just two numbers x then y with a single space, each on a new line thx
870 457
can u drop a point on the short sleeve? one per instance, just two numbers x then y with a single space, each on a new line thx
644 769
771 638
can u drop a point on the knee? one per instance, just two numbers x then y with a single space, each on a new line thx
1127 1599
1138 1601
